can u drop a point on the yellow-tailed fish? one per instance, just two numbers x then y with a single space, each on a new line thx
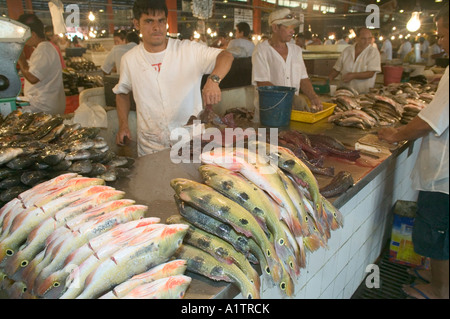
173 287
217 247
134 259
204 264
261 174
335 217
215 204
256 201
164 270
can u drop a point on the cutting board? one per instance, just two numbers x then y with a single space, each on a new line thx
372 144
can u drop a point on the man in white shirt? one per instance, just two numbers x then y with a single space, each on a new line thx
44 87
430 177
404 49
112 61
358 64
386 50
434 51
424 46
241 46
165 76
279 62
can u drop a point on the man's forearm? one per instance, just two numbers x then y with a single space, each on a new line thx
363 75
307 88
223 64
413 130
333 74
123 106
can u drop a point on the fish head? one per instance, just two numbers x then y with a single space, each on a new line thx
178 285
51 283
175 233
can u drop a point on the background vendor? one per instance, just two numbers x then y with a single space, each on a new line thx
358 64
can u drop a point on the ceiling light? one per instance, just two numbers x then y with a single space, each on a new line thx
414 23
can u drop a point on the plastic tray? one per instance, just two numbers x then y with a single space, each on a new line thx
308 117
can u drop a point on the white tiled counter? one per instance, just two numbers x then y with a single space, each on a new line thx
336 272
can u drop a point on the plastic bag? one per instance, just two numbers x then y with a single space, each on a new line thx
89 114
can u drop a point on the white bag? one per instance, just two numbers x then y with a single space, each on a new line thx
89 114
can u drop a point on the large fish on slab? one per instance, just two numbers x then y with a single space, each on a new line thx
173 287
251 197
134 259
170 268
36 239
217 247
9 153
204 264
213 203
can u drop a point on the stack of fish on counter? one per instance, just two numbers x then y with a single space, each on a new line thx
74 237
257 205
389 105
35 147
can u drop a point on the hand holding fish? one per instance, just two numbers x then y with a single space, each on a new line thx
122 135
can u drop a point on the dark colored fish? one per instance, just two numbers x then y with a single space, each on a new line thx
31 178
339 184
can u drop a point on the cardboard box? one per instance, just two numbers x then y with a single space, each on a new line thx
401 247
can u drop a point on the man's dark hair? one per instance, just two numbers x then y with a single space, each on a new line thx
149 7
35 24
122 34
133 37
244 27
443 13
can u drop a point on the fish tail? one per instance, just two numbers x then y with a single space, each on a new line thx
312 242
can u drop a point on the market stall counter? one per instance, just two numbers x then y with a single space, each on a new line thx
379 181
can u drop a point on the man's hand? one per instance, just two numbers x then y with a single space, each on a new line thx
388 134
211 93
347 77
316 104
121 136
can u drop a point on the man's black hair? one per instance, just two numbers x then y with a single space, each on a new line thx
122 34
244 27
133 37
35 24
149 7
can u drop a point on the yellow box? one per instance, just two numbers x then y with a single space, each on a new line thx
308 117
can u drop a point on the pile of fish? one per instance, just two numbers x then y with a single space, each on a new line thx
257 205
74 237
35 147
389 105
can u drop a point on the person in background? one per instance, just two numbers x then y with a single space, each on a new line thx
112 61
404 49
424 46
430 177
242 46
120 37
435 51
54 39
386 49
165 76
63 43
279 62
44 87
328 42
342 38
358 64
300 40
308 38
221 42
76 42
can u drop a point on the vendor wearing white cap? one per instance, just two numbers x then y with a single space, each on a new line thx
358 64
278 62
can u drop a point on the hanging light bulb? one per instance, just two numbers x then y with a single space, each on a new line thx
414 23
91 16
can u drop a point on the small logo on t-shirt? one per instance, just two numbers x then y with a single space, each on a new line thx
157 67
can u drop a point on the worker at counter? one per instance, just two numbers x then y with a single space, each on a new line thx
279 62
44 87
112 61
165 76
430 176
358 64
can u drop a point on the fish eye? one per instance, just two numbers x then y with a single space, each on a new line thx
249 296
9 252
268 270
182 294
268 253
306 218
24 263
281 242
56 284
283 286
24 289
334 214
291 264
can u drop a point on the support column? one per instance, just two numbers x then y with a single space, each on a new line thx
15 9
257 16
172 19
110 16
29 6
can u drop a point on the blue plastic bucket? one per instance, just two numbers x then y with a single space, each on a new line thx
275 105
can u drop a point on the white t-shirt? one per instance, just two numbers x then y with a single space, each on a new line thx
432 50
431 170
241 48
368 60
404 49
47 95
386 50
115 55
165 100
269 65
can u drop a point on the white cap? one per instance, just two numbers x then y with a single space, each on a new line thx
283 16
